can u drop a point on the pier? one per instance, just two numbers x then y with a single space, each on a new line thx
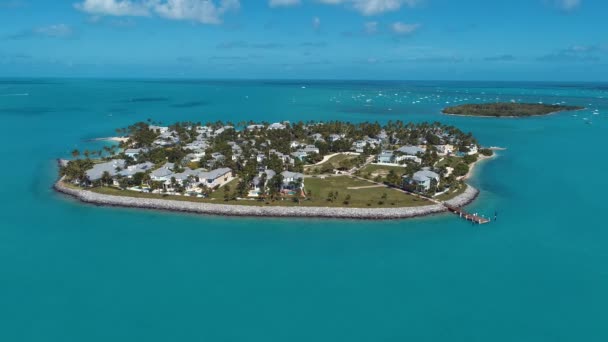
475 218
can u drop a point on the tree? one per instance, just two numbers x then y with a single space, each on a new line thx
75 153
347 200
106 178
227 193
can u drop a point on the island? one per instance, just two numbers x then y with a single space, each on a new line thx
508 109
304 169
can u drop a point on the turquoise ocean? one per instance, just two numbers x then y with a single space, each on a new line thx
75 272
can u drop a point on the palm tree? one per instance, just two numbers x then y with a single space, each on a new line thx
106 178
75 153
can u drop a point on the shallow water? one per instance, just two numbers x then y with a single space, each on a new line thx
72 272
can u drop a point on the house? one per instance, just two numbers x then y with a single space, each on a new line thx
444 149
291 179
295 144
317 137
334 137
131 170
276 125
422 179
163 173
411 150
134 152
256 183
301 155
386 157
310 149
382 136
222 130
112 167
402 157
254 127
216 178
473 150
159 129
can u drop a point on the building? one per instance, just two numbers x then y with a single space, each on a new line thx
444 149
411 150
276 125
131 170
134 152
310 149
291 179
112 167
301 155
164 173
159 129
422 179
216 178
254 127
386 157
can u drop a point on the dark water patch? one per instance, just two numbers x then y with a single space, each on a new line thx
36 111
190 104
146 99
27 82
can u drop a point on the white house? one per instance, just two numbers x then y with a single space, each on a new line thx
423 179
159 129
276 125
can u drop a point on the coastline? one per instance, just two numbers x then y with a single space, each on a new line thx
115 139
468 196
511 116
473 166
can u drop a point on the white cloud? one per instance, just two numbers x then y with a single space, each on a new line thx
567 5
56 31
404 29
374 7
113 7
203 11
283 3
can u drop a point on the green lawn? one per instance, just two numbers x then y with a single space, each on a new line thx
380 170
452 194
360 198
333 161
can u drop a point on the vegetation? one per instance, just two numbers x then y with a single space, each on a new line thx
506 109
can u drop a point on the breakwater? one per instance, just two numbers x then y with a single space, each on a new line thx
265 211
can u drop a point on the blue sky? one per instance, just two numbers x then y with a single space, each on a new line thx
559 40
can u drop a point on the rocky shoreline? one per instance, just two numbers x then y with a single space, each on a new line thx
261 211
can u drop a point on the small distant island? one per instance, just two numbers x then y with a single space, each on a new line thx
314 169
508 109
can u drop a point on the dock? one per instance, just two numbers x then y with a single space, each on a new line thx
475 218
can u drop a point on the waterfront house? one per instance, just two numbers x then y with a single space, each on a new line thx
255 127
444 149
276 125
291 180
131 170
423 179
163 173
159 129
112 167
216 178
